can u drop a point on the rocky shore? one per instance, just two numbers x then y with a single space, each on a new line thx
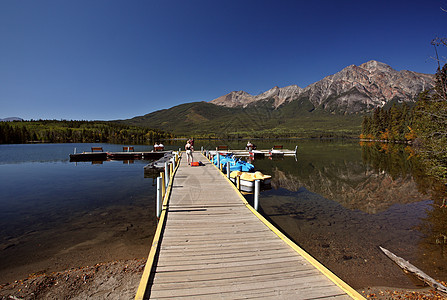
120 279
112 280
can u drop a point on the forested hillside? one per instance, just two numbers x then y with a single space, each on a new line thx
52 131
293 119
425 124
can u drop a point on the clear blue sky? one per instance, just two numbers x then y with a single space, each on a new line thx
106 59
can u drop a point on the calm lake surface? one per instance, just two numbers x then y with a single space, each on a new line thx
338 200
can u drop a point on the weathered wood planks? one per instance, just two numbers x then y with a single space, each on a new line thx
214 246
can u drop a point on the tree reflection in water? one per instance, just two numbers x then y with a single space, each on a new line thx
386 199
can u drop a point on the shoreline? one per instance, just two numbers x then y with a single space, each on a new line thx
120 279
111 280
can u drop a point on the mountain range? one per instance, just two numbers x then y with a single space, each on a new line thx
11 119
331 106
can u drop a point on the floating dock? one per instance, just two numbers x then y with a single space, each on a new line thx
98 156
256 153
210 243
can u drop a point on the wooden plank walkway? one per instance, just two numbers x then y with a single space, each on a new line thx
213 245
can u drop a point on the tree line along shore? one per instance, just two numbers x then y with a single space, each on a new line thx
424 125
54 131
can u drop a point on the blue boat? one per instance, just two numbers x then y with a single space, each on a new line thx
235 164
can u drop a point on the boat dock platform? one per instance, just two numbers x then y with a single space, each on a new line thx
128 155
255 153
210 243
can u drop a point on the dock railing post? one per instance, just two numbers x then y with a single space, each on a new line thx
173 162
218 160
159 196
163 188
167 174
228 169
238 182
257 189
171 171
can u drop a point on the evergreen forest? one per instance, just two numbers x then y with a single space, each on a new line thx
53 131
424 125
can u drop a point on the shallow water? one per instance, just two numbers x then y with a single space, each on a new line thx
337 199
340 201
56 215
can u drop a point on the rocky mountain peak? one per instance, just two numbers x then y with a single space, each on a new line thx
352 90
374 65
241 98
234 99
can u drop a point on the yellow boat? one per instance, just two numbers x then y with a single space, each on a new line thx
248 179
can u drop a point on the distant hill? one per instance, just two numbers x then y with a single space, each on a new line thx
297 118
332 106
11 119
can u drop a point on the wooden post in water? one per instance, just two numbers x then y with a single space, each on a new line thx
159 196
257 190
228 169
167 174
163 189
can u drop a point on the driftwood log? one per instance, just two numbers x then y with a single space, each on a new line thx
406 266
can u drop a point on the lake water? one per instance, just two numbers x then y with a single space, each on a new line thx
338 200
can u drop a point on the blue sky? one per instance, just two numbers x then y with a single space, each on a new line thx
106 59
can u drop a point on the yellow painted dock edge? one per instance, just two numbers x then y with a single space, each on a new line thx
325 271
142 287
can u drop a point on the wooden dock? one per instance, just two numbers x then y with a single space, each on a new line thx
210 243
124 155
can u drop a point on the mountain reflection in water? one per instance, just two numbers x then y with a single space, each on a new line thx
341 200
353 186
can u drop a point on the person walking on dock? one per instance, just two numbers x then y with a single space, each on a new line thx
189 149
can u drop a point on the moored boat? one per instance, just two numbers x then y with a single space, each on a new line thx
235 164
247 179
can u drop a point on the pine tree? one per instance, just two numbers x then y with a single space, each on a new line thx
430 121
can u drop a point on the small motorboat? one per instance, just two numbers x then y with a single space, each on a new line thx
160 163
